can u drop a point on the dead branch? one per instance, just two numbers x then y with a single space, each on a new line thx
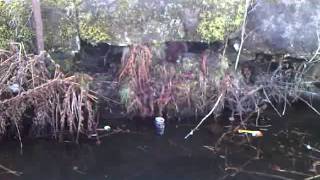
243 32
36 83
10 171
203 119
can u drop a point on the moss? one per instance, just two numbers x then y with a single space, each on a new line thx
226 17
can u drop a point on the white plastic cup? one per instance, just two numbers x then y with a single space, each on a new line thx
159 123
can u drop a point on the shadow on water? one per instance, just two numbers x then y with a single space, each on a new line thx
120 156
143 156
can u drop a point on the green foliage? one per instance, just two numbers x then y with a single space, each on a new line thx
61 3
89 25
226 17
93 29
59 23
14 23
126 95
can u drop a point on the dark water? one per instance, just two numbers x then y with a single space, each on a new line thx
120 156
141 155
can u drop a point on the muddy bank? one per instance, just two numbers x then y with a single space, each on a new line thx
184 78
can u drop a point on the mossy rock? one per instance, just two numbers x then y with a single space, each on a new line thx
130 22
121 22
226 18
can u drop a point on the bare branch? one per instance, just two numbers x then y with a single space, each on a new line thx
243 31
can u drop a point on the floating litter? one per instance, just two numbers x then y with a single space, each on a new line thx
253 133
159 123
15 88
107 128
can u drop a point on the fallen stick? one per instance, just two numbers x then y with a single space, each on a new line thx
307 103
313 177
265 175
243 32
16 173
293 172
203 119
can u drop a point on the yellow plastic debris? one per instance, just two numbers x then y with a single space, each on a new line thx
253 133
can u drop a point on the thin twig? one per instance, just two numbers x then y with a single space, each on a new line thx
313 108
269 101
19 136
243 31
318 49
203 119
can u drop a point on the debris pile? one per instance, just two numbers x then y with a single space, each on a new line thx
33 90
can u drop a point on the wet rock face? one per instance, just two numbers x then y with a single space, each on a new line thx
283 26
174 50
101 58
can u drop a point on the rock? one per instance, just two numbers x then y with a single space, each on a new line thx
283 27
125 22
174 50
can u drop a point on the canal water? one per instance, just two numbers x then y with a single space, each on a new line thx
139 154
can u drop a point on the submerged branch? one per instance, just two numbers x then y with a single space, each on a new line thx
10 171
